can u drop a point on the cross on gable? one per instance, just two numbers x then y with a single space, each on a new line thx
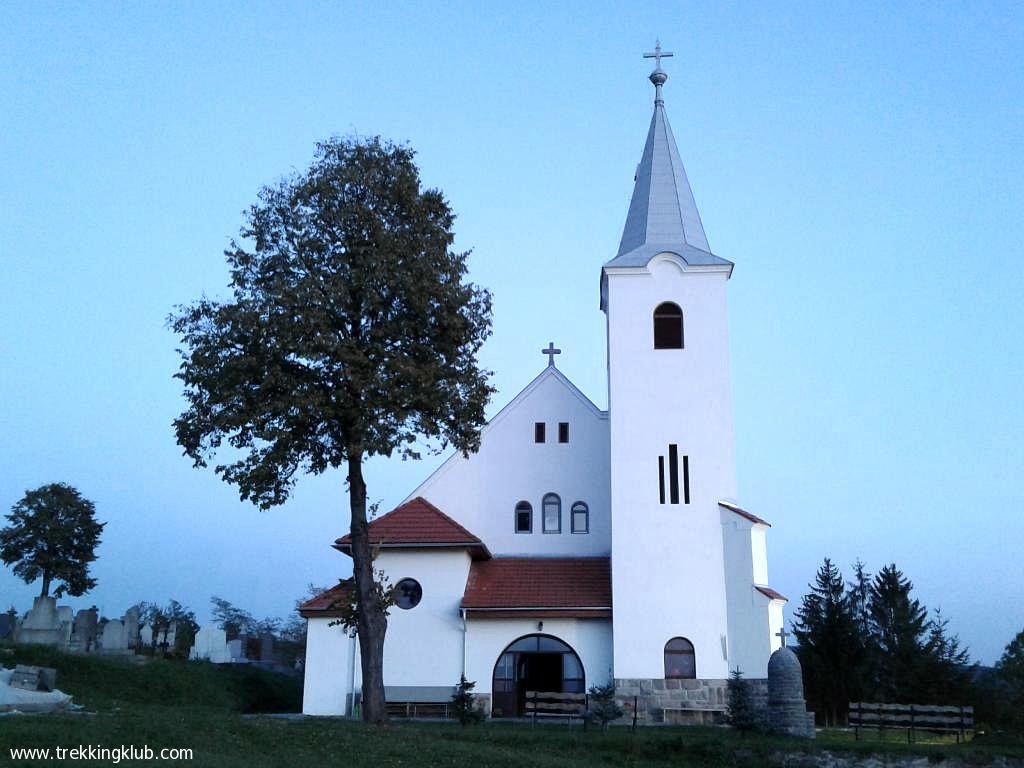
782 634
551 352
657 55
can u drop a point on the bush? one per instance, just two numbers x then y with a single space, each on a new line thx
464 703
604 709
740 712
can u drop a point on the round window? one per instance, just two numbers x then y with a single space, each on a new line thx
408 593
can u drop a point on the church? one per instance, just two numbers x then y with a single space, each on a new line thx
578 546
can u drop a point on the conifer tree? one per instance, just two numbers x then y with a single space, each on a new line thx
740 713
900 623
828 644
1010 671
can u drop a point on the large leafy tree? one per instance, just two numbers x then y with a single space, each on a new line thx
830 645
351 332
52 534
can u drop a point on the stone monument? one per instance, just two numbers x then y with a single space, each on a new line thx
787 710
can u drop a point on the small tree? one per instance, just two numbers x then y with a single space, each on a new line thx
160 621
464 703
740 712
604 709
351 333
233 620
52 535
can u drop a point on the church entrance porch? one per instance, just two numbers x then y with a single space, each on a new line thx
536 662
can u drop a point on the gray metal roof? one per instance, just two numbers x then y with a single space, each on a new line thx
662 214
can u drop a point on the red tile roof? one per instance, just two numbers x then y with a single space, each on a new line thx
549 585
417 523
770 593
743 513
325 603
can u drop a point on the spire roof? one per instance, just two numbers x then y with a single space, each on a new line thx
662 214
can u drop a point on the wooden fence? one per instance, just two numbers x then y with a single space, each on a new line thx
913 717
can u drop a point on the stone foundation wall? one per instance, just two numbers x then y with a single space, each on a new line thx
683 702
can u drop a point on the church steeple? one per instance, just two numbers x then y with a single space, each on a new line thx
662 213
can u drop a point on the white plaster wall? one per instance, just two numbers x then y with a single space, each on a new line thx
487 638
328 678
423 645
759 553
667 560
481 491
775 623
747 643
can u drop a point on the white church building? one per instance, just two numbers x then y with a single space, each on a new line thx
580 546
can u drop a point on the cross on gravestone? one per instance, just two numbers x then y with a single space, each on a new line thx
782 634
658 55
551 352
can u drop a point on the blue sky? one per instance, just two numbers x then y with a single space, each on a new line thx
861 163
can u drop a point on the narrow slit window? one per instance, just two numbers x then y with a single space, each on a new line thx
668 326
673 473
538 432
661 479
563 431
686 479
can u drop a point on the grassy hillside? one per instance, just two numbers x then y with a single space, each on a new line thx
108 683
175 705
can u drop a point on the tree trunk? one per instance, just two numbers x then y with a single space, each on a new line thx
373 623
46 584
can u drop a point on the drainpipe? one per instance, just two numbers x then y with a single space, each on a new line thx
465 640
352 675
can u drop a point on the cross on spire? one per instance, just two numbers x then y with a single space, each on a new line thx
551 352
657 55
658 77
782 634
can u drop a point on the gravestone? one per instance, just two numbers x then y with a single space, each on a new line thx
130 621
267 647
41 625
146 636
66 619
170 635
113 640
84 629
27 678
236 650
210 644
8 621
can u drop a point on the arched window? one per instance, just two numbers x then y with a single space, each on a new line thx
580 520
552 513
680 662
668 326
524 517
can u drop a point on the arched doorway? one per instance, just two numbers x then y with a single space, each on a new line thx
534 663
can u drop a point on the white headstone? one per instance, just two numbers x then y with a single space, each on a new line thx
113 637
210 645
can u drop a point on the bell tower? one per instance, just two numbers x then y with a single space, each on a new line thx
664 296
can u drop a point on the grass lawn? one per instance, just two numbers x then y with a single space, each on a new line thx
165 704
